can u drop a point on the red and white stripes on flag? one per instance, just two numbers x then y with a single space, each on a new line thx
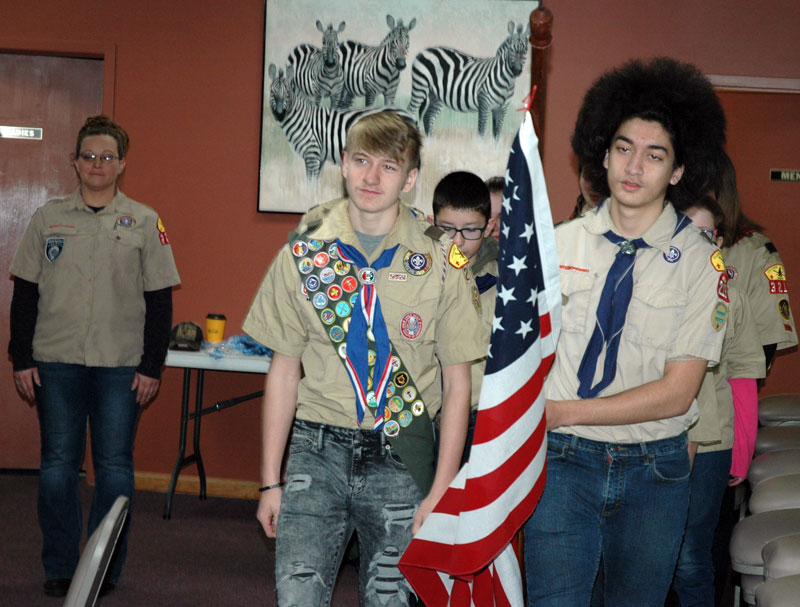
462 555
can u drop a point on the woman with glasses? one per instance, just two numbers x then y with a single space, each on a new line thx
90 323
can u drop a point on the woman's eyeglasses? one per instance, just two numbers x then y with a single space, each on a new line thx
91 157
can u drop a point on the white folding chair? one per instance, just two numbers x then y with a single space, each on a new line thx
96 555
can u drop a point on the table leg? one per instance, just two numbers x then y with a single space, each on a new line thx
179 463
197 417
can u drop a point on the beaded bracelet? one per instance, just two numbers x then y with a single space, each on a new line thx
273 486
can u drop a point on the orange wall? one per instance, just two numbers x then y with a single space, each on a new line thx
188 88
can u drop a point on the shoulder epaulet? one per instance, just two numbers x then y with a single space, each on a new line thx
770 247
434 233
304 229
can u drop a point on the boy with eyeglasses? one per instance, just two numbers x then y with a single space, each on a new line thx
462 210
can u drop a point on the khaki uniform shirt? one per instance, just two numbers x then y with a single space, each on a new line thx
754 265
282 318
488 298
671 316
92 270
742 357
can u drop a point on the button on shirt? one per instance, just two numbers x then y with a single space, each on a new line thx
282 318
671 316
92 270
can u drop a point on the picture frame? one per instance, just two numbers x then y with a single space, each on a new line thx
343 62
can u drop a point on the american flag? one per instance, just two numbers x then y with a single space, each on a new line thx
462 555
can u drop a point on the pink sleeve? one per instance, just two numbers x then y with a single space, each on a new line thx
745 424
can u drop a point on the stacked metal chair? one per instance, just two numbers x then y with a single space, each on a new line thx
765 546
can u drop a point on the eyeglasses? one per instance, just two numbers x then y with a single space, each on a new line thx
710 234
91 157
466 233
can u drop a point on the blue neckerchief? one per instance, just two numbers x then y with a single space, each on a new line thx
611 311
367 315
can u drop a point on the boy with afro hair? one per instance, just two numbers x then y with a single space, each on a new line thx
642 319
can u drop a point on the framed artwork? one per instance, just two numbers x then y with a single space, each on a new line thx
460 68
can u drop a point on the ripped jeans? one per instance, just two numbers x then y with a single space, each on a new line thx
340 480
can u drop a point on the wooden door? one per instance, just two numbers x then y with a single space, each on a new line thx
54 94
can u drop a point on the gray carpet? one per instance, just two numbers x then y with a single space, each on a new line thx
211 552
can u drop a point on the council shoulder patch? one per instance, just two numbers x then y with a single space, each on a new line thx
456 258
777 279
717 261
162 232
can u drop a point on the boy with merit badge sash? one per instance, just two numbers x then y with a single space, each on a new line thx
371 314
641 321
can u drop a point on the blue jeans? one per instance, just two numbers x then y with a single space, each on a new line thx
68 396
339 480
624 502
694 575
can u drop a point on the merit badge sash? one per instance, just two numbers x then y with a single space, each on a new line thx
339 283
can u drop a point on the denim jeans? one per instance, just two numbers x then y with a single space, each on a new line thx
69 395
340 480
624 502
694 575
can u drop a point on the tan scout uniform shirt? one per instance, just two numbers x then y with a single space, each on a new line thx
91 291
488 298
282 318
755 266
742 356
669 317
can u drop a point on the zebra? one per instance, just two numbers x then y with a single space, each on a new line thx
445 76
318 72
370 71
316 134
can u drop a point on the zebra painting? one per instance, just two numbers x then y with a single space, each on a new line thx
316 134
370 71
442 76
318 72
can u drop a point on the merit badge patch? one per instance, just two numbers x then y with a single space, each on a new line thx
390 390
305 266
411 325
327 316
777 279
312 283
315 244
125 221
53 247
391 428
349 284
326 275
342 350
409 393
343 309
718 316
418 408
337 334
401 379
162 232
717 261
333 251
404 419
722 287
456 258
783 308
732 272
673 255
299 249
334 292
396 404
417 264
320 300
341 268
321 259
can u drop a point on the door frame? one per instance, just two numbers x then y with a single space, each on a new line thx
106 51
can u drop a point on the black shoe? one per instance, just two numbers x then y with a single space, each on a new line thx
106 587
57 587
